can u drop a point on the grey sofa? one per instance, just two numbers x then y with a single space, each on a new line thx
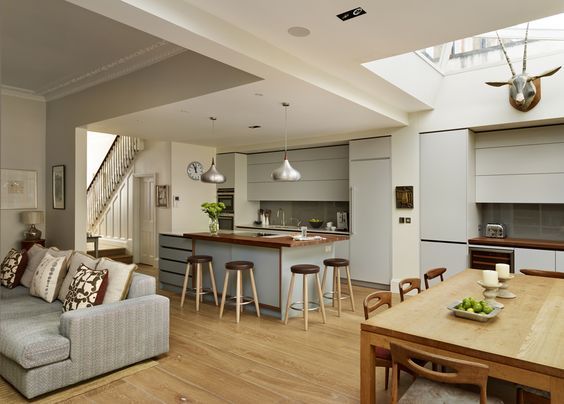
43 349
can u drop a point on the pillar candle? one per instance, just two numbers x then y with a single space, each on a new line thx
502 270
490 278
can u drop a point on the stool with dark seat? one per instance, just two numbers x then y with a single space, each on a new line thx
240 300
305 270
195 262
337 264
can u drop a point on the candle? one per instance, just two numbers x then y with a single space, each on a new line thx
490 278
502 270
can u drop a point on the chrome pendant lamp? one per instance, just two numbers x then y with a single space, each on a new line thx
286 172
212 176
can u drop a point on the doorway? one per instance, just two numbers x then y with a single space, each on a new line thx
145 220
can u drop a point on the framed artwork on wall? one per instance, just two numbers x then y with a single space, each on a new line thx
18 189
58 178
162 196
404 197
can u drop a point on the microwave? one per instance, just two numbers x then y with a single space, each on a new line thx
226 221
227 196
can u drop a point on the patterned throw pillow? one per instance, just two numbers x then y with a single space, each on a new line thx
48 277
12 268
76 260
34 256
87 289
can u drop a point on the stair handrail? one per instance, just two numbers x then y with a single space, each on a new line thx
103 161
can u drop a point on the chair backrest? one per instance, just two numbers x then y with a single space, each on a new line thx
407 285
546 274
375 300
461 372
433 273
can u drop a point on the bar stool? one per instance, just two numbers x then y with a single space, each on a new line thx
196 261
305 270
240 300
337 264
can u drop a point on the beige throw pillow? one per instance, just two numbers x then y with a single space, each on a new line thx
48 277
76 260
119 279
34 256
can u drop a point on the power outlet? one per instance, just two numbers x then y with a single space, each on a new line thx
327 248
408 220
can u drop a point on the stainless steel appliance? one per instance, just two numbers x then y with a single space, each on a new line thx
342 221
496 230
226 221
227 196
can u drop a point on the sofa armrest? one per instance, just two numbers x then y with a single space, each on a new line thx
115 335
142 285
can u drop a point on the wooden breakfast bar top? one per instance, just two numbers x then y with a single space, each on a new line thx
274 241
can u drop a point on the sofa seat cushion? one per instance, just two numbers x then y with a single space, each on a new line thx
34 341
17 303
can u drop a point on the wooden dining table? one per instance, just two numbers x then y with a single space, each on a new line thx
523 344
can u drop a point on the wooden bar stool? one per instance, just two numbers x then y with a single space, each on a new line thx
195 262
240 300
337 264
433 273
305 270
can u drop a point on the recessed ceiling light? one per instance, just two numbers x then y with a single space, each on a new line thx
259 94
299 31
255 126
185 111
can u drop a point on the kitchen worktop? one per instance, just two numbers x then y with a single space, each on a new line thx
519 243
272 241
275 227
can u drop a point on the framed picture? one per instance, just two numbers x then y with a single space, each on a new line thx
58 174
404 197
162 196
18 189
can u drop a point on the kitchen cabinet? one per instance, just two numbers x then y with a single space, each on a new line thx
225 164
559 261
325 175
528 258
174 251
452 256
370 204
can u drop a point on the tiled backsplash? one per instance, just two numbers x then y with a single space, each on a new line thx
533 221
305 210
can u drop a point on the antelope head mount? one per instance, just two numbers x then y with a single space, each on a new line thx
524 88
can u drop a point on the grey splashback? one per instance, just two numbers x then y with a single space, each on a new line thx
305 210
534 221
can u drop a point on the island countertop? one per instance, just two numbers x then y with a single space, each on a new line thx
274 241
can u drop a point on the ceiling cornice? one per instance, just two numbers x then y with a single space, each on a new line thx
21 93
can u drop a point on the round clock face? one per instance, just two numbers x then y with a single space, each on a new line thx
194 170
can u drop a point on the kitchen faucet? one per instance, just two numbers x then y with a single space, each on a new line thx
298 221
283 216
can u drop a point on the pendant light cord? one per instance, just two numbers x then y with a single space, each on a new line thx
286 105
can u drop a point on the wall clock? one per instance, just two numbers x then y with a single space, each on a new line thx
194 170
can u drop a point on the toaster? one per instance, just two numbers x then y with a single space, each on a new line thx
496 230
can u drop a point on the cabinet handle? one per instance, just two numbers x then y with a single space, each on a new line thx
352 215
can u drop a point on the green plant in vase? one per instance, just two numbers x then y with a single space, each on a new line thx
213 210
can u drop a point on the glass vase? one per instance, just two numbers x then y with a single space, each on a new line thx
214 226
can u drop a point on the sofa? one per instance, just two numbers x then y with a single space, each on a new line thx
43 348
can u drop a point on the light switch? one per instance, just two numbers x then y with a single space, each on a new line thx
408 220
402 220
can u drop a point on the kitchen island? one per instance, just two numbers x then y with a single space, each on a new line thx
272 254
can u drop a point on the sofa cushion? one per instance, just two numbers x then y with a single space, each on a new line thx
34 341
87 288
12 268
34 256
48 277
18 303
75 261
119 279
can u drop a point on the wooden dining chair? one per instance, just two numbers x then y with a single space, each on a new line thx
437 387
432 274
372 302
527 395
546 274
407 285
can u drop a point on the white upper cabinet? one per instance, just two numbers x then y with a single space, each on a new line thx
448 208
225 164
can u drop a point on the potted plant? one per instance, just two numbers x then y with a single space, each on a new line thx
213 210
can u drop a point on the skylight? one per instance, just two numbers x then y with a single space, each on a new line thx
546 36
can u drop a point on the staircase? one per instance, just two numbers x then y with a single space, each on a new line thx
117 254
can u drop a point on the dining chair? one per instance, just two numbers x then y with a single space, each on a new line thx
546 274
437 387
407 285
527 395
433 273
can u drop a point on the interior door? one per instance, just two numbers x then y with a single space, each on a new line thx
147 221
370 242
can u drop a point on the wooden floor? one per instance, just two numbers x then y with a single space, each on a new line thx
255 361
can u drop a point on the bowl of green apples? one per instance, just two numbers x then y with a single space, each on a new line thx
472 309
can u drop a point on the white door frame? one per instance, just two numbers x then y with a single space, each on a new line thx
136 249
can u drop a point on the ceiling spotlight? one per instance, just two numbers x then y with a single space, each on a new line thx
299 31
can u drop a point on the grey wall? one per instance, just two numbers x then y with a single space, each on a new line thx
181 77
305 210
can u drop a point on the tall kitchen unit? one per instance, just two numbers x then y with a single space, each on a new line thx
371 210
449 214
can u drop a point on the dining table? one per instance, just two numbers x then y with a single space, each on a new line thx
523 344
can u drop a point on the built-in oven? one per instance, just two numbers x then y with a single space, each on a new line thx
226 221
227 196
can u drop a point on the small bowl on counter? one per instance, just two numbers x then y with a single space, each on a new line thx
316 224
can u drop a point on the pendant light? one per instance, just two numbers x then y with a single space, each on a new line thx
286 172
212 176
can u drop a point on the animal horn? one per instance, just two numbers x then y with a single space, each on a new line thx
505 53
525 51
